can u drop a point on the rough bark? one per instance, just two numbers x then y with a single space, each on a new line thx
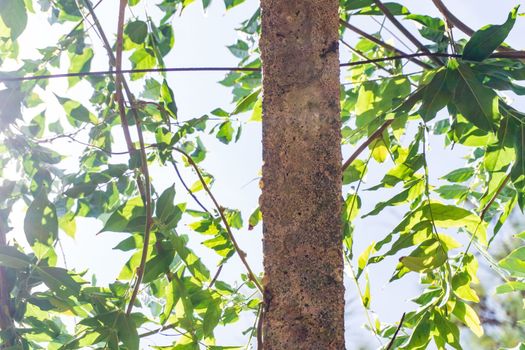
301 199
6 323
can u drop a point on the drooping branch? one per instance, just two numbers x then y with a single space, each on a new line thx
405 31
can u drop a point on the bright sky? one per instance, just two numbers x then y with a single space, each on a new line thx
200 40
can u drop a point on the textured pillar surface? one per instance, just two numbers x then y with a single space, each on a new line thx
301 185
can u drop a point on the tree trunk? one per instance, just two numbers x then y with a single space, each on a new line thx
301 199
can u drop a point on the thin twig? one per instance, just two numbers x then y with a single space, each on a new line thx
260 322
496 194
187 188
382 43
240 252
405 31
363 56
391 343
365 144
214 279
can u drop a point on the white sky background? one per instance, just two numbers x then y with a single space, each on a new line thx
200 40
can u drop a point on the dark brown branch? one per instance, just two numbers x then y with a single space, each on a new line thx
452 20
391 343
365 144
382 43
238 250
405 31
496 194
214 279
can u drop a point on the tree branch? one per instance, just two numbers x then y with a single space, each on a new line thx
382 43
367 142
239 251
405 31
456 22
391 343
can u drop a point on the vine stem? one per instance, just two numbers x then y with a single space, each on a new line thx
146 188
242 255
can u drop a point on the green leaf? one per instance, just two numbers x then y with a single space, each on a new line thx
232 3
459 175
363 258
247 103
488 38
169 98
192 261
206 4
127 331
129 217
14 15
211 317
466 314
366 295
438 93
461 286
257 111
41 222
137 31
509 287
428 256
79 63
254 219
515 262
477 103
420 336
13 258
354 172
447 331
168 213
59 280
225 133
76 113
143 58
